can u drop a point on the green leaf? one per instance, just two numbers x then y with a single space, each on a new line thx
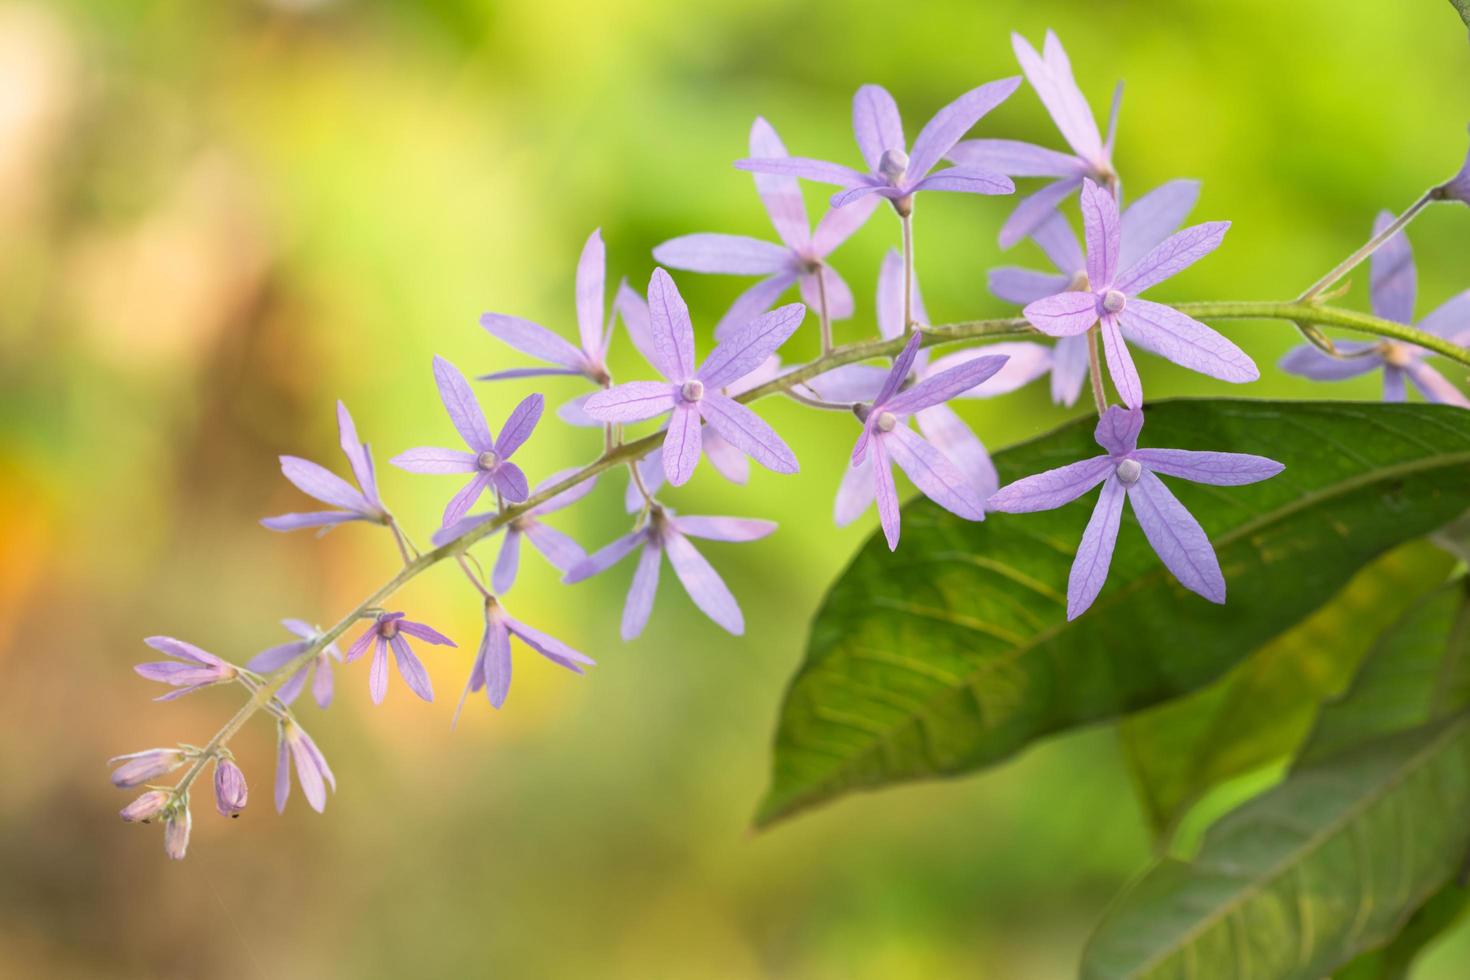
1463 6
955 651
1262 710
1436 917
1297 882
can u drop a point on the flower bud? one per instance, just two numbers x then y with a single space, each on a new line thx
230 791
146 807
176 828
1458 187
139 767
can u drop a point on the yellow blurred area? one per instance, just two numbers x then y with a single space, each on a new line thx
218 218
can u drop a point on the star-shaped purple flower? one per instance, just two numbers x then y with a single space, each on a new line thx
1145 223
1111 298
391 629
689 394
1393 285
489 459
293 745
191 669
269 660
893 172
359 503
802 256
491 669
1127 471
1050 74
887 439
666 533
940 424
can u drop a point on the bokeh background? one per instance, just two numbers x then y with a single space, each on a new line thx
217 218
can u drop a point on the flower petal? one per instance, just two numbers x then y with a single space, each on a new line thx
728 461
431 459
850 383
378 672
703 583
634 311
316 518
947 432
496 667
933 473
682 443
941 133
885 494
1393 384
559 549
890 298
1172 256
1056 238
1024 286
1435 386
631 402
965 181
503 576
605 557
424 632
535 340
1450 320
737 255
779 193
1063 314
1054 83
876 124
1177 537
854 493
1095 552
670 327
356 453
1016 159
1154 217
838 296
1034 211
747 432
941 386
753 302
640 594
724 528
902 365
1025 362
1216 469
461 502
591 283
864 193
459 401
839 224
818 170
1051 489
743 349
1103 230
1394 281
1309 362
411 669
1069 369
1117 430
321 483
520 425
1120 363
1175 337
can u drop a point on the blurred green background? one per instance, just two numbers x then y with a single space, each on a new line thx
216 218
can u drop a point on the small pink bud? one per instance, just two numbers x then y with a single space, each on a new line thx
146 807
176 828
139 767
230 791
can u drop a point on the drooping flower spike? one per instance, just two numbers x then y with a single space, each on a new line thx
293 745
1111 300
558 548
191 669
689 394
1050 74
1145 223
887 439
391 629
360 503
590 359
491 669
277 656
1393 285
1127 471
489 457
666 533
939 424
893 172
801 258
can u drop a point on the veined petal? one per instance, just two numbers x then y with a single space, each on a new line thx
1394 281
965 180
941 133
549 647
535 340
634 311
1095 552
1033 211
326 486
850 383
1055 237
1172 256
1216 469
933 473
885 493
558 548
461 502
724 528
1117 430
902 365
854 493
753 302
378 672
497 665
631 402
574 412
424 632
1435 386
567 497
1120 363
839 224
818 170
507 563
747 432
682 443
1052 489
670 327
1177 537
411 669
520 425
1307 361
464 411
876 124
947 432
778 192
743 349
1025 286
431 459
511 481
605 557
1173 336
318 518
1069 369
737 255
940 387
591 283
1063 314
462 526
861 193
1154 217
1052 79
1016 159
703 583
1025 362
728 461
1103 230
356 453
642 591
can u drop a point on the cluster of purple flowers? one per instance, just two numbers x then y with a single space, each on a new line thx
1093 293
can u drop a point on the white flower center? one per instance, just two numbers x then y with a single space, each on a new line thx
487 461
692 390
1114 301
1129 471
885 422
893 165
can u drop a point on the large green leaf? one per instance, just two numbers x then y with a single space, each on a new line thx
1437 916
1262 710
1463 6
1329 864
955 651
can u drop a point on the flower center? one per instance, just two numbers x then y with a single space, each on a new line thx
388 629
487 461
1114 301
893 165
1129 471
885 422
692 390
1396 355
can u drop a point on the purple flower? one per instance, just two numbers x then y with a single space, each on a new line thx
940 424
230 791
147 806
559 549
276 657
1129 471
690 394
1110 297
665 533
358 504
801 257
1457 188
887 438
489 458
193 669
1393 285
389 629
893 172
492 664
1050 74
176 826
589 360
1146 223
312 771
139 767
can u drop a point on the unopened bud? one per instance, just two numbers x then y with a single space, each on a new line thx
176 828
230 791
139 767
146 807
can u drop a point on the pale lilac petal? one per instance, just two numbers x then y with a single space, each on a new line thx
1216 469
503 576
185 651
731 254
747 432
1025 362
535 340
1172 256
1117 430
300 627
818 170
902 365
890 297
1069 369
1016 159
275 657
1024 286
850 383
322 684
933 473
966 181
1435 386
1451 320
496 668
423 632
631 402
634 311
864 193
378 672
559 549
682 443
567 497
605 558
520 425
1095 552
591 284
283 774
1120 363
947 432
574 412
640 594
860 448
1052 489
670 327
1309 362
550 647
839 297
854 493
743 349
703 583
1063 314
839 224
461 502
885 494
356 453
779 193
1052 79
429 459
876 124
1033 211
1394 389
515 374
459 401
1393 281
461 527
724 528
769 370
1112 136
307 773
651 469
1175 337
411 669
941 133
316 518
1103 230
940 386
291 690
1177 537
1056 238
360 645
753 302
326 486
1154 217
728 461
